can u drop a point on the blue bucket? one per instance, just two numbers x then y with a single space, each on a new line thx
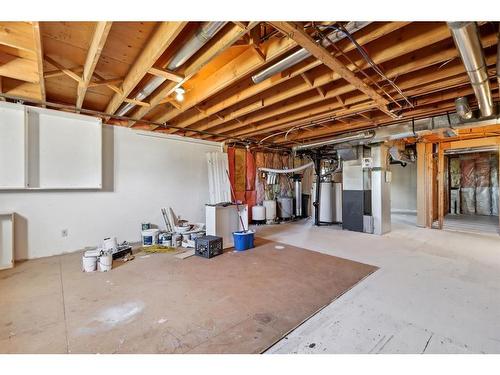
243 240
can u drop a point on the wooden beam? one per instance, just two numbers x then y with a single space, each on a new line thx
296 32
162 38
17 35
137 102
367 35
106 82
66 71
38 47
441 186
94 53
19 68
57 72
288 91
196 64
167 74
421 187
429 185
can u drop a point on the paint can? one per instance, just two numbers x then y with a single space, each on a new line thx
89 263
177 240
165 239
110 244
105 262
145 226
149 237
186 236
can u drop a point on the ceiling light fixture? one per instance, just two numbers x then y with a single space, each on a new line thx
179 94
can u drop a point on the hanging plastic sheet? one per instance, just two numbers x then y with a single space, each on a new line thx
482 170
483 201
468 200
455 172
467 169
259 185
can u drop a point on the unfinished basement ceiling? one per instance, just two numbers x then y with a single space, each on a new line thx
104 66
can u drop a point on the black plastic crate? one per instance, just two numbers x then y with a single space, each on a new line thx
208 246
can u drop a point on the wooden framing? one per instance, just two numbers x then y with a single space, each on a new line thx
296 32
39 58
98 40
101 65
163 37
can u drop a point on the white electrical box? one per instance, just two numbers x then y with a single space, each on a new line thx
366 163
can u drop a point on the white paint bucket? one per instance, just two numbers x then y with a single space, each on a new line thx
149 237
89 263
105 262
110 244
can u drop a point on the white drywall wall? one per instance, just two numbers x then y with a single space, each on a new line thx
141 174
404 188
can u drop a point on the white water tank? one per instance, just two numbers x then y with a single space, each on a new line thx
270 207
286 207
330 202
258 213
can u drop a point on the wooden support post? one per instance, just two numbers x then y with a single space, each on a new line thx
421 190
441 185
429 185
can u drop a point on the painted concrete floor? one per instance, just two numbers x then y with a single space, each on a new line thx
435 292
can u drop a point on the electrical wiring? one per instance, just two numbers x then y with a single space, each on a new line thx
368 59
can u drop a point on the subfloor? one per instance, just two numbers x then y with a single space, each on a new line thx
239 302
435 292
471 224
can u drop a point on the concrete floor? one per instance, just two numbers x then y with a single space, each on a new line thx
471 224
435 292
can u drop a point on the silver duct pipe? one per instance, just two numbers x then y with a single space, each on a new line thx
303 53
337 140
206 32
417 128
466 37
463 108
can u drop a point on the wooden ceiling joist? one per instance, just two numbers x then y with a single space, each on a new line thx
38 48
196 64
96 45
287 91
163 37
296 32
252 89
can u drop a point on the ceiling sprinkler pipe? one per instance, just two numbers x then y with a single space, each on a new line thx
206 32
303 53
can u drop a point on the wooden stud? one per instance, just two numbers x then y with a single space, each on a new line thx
441 186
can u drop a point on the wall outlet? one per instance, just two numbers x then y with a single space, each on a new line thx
64 233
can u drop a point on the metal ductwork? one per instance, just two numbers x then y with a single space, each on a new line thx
303 53
466 37
361 136
412 128
206 32
463 108
401 154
